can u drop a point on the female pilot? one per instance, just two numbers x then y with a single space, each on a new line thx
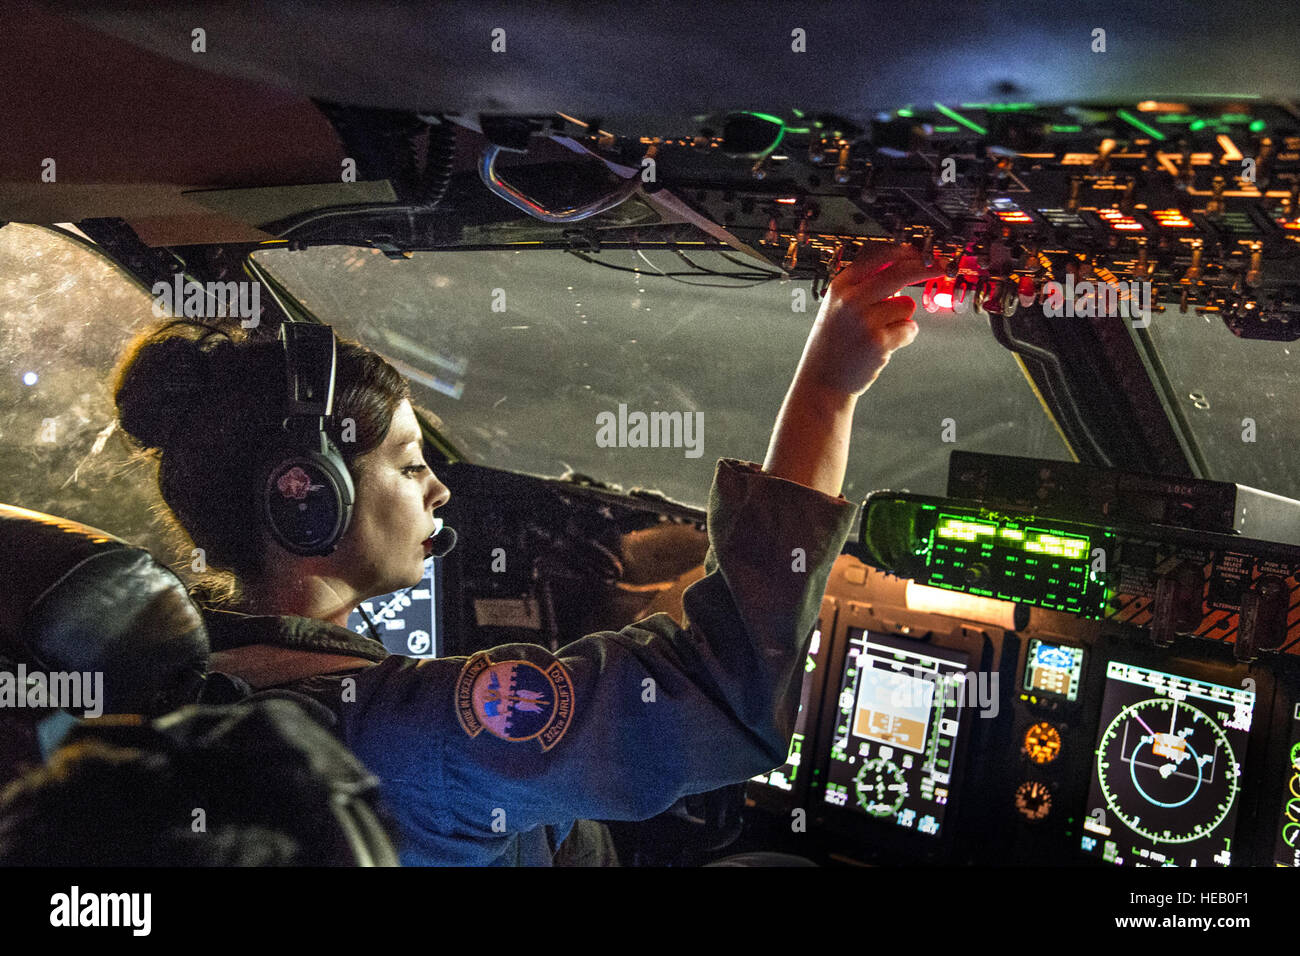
491 759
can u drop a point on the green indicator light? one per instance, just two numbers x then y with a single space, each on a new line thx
905 113
1257 126
954 115
798 113
1137 124
769 117
1175 118
947 129
999 107
1234 118
1198 124
1066 129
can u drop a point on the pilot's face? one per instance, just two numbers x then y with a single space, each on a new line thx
397 492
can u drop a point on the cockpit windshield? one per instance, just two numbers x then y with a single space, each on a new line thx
527 355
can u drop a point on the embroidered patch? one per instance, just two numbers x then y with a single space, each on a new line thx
514 700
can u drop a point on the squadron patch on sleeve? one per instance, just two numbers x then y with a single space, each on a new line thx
514 700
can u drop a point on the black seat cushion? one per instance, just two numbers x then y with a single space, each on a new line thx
76 599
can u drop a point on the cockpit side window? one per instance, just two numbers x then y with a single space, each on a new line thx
66 312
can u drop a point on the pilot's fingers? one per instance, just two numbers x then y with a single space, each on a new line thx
868 261
891 323
900 273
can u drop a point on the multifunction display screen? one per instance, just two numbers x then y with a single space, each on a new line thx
898 726
1053 669
1166 774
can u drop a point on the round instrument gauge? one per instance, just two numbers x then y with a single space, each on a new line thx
1033 800
881 787
1042 742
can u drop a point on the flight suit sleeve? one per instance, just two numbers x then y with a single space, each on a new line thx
619 724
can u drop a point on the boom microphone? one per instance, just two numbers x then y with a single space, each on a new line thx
443 540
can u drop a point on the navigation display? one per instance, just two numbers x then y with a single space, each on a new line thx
898 725
1165 785
407 620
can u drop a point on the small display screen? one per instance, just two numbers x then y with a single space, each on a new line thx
1053 669
1166 775
1287 851
784 777
1013 561
1004 555
898 725
407 621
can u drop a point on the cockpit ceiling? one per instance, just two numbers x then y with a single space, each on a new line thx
639 62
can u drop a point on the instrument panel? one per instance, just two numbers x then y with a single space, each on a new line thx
961 743
1040 727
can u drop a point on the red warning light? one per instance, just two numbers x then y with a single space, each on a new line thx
1027 290
937 295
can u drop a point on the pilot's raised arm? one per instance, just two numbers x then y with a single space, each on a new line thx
620 724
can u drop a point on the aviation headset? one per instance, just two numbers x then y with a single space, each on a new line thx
305 489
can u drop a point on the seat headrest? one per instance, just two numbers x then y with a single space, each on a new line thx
77 599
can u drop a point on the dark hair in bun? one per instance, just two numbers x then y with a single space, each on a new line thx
171 379
202 399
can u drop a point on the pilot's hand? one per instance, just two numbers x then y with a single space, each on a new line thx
863 320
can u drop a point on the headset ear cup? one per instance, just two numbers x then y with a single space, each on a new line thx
307 500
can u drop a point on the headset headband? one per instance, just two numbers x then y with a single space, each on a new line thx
309 364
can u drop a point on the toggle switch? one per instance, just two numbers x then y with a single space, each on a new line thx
1178 604
1263 623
